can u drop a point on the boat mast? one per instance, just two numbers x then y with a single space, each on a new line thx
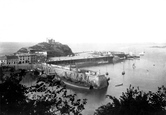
123 73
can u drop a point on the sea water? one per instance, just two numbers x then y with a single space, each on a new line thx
148 74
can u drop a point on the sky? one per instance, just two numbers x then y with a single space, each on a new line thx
83 21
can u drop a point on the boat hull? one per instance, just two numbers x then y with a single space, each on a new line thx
75 85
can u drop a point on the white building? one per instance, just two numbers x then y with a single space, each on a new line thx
3 60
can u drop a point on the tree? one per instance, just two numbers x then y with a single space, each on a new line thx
11 97
22 72
47 97
1 74
56 100
36 72
136 102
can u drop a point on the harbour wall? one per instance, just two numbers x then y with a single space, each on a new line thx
75 61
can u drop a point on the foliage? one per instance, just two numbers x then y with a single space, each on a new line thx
36 72
23 72
1 74
50 98
11 97
136 102
47 97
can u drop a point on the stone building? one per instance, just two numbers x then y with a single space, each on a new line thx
26 58
50 41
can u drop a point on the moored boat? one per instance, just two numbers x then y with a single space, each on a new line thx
132 56
142 53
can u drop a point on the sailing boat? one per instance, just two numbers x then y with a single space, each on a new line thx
123 73
134 66
106 71
142 53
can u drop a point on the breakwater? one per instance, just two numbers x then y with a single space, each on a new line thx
81 61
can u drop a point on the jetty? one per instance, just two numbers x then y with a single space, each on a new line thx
81 61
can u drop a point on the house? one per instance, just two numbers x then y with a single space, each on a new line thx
3 60
11 60
26 58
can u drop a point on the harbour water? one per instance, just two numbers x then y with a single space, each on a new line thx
148 74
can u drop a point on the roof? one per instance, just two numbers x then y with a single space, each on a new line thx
12 57
2 57
25 54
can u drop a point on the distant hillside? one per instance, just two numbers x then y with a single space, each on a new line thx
158 47
53 49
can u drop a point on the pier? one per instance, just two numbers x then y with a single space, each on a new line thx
84 59
80 59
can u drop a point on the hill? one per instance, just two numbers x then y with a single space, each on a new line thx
53 49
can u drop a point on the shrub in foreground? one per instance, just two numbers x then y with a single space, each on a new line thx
136 102
47 97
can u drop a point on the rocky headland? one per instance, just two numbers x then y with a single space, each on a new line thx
53 49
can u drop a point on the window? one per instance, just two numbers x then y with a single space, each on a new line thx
26 61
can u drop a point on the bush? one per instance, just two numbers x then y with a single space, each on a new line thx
136 102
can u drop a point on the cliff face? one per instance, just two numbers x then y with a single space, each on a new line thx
53 49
